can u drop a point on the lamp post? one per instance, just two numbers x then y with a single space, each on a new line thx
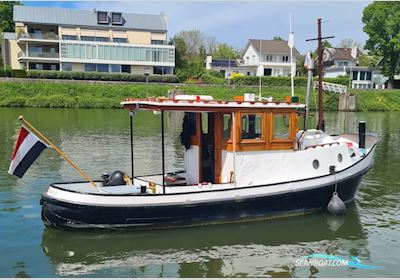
147 73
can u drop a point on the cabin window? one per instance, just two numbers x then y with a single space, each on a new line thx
226 126
281 126
251 126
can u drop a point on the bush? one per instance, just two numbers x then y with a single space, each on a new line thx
283 81
193 70
339 80
5 72
38 74
209 78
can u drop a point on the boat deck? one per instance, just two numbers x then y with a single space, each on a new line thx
87 188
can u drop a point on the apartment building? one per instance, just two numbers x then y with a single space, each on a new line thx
78 40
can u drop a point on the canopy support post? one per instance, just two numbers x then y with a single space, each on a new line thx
162 151
131 113
233 130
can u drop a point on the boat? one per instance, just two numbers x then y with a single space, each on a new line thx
244 159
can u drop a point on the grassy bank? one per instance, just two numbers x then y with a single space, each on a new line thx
85 95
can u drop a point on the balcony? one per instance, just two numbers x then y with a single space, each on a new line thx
37 36
45 56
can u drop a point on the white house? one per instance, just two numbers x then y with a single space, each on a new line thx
260 58
268 58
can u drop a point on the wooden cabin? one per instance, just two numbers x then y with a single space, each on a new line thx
219 135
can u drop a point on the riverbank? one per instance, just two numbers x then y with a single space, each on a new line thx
108 95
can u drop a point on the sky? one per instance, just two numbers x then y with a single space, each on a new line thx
234 22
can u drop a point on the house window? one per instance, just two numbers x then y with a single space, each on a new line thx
285 58
69 37
115 68
102 17
158 70
281 126
267 57
87 38
226 126
157 42
101 39
67 66
251 126
89 67
369 76
116 18
120 40
355 75
362 75
102 67
126 68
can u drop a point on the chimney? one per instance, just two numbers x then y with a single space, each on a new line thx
354 51
208 62
164 16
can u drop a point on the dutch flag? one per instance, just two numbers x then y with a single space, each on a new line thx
27 148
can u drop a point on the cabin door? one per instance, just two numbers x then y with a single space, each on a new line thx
207 148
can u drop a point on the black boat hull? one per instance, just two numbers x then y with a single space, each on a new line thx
65 215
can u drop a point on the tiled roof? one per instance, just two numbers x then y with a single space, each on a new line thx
272 46
73 17
342 54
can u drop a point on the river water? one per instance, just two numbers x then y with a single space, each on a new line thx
98 141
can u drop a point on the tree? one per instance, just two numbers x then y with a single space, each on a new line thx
382 25
278 38
6 16
1 50
225 51
300 69
180 52
197 43
350 43
367 60
326 44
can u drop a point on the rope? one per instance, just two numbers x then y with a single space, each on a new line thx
335 192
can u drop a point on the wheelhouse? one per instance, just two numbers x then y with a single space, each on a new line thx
219 135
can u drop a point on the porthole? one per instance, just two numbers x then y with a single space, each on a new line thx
339 157
315 164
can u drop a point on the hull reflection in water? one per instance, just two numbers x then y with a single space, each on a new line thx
267 248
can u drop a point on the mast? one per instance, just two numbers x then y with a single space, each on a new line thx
321 122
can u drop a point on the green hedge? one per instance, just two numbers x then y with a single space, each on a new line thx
282 81
12 73
269 81
38 74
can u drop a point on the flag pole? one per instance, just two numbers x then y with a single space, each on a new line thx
58 151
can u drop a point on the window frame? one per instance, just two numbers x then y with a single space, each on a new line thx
116 14
263 125
104 13
290 128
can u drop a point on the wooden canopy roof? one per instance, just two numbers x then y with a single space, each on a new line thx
165 104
